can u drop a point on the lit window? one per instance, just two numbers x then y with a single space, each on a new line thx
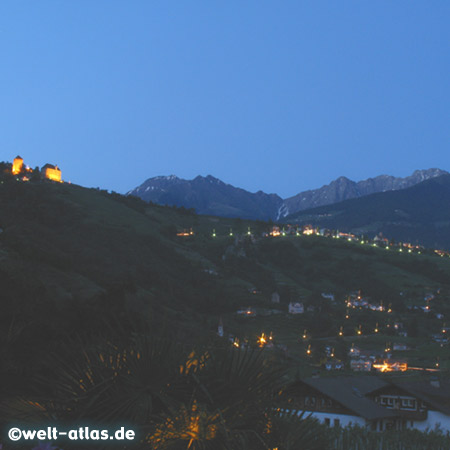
408 403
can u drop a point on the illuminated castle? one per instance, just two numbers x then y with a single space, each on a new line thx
51 172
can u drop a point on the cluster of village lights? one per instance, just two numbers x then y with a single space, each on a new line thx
265 339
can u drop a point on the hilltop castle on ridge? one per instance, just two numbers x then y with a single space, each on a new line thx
49 171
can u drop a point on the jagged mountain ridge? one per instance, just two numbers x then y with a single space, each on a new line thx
345 189
209 195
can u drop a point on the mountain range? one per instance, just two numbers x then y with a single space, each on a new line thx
209 195
419 214
345 189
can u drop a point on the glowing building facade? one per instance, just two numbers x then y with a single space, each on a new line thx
17 165
51 172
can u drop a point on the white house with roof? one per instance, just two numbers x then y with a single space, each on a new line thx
275 297
296 308
371 402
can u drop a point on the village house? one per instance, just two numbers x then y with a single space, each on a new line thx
371 402
391 365
354 351
186 233
334 364
275 298
400 346
357 301
361 365
376 307
296 308
246 311
440 339
348 236
308 230
211 272
380 239
275 231
325 232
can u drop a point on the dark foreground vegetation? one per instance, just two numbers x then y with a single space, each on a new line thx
172 395
176 396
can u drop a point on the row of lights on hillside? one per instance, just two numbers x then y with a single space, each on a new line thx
306 336
283 233
214 234
441 253
388 348
265 339
359 331
309 351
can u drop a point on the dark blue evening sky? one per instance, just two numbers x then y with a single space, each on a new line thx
278 96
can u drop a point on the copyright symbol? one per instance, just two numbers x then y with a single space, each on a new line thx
14 434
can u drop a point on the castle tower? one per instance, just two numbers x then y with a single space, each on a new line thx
17 165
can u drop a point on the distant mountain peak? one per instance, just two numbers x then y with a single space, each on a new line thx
209 195
166 178
342 179
209 178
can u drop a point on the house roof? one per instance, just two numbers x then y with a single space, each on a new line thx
351 393
436 397
50 166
